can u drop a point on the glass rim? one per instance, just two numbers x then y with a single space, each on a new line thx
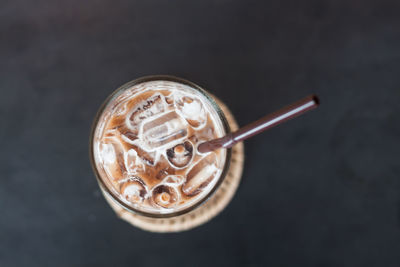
114 95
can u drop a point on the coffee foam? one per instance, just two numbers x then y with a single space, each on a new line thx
147 120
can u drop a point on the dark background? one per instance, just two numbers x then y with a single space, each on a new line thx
321 190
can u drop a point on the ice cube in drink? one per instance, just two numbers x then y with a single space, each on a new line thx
163 130
200 175
134 190
165 196
152 106
181 154
192 110
112 154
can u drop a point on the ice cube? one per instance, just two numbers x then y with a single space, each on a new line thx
134 190
200 175
134 164
112 156
145 109
192 110
165 196
107 153
127 134
163 130
149 158
180 155
173 180
123 133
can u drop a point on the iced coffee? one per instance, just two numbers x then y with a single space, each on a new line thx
144 146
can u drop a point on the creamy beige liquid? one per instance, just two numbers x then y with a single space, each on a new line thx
145 146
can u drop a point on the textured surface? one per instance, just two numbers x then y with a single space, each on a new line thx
321 190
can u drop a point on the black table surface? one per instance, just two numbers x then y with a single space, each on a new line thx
321 190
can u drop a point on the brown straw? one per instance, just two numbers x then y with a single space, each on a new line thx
267 122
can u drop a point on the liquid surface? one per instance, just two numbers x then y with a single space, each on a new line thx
145 146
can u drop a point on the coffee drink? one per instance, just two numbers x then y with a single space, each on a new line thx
145 142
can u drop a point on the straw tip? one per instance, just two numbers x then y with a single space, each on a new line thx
315 98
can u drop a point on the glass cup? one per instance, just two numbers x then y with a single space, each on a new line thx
101 176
